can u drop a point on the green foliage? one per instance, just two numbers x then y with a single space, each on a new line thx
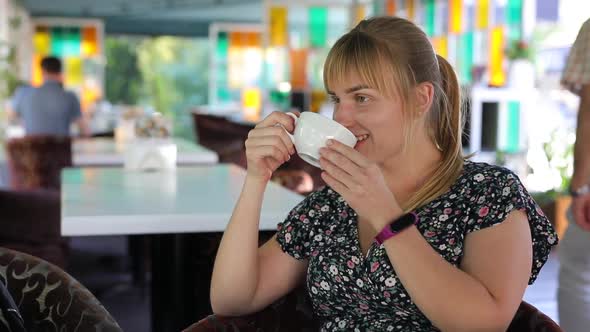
169 74
123 79
560 155
175 73
519 49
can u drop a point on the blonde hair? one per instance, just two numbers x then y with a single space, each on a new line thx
393 55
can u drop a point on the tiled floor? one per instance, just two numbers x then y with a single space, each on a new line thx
100 264
543 293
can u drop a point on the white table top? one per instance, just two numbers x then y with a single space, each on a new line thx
108 152
113 201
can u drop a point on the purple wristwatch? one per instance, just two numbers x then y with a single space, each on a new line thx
396 226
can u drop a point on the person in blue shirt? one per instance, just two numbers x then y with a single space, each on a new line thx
49 109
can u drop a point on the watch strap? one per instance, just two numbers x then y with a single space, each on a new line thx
396 226
583 190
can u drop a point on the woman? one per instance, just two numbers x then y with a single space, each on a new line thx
400 239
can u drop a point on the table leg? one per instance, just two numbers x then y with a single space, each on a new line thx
172 280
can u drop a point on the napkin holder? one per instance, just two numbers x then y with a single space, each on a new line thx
148 155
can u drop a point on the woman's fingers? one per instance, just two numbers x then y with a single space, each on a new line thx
279 118
272 141
274 131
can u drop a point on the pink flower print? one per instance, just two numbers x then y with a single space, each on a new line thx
328 232
350 264
302 217
448 211
484 211
429 233
452 241
374 266
315 253
290 228
386 294
344 214
363 306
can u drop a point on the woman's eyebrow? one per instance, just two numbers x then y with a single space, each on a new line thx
352 89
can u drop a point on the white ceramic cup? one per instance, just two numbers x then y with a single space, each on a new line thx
311 133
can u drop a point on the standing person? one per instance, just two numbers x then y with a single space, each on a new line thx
574 252
50 109
407 235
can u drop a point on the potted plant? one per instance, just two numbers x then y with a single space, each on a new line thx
521 72
559 151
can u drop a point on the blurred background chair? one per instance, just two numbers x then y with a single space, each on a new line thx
36 161
49 299
294 313
31 223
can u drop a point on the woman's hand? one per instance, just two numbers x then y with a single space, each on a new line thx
268 145
360 182
581 211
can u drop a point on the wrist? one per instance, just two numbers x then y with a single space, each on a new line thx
577 191
384 221
396 226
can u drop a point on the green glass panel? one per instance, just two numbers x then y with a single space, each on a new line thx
222 46
72 42
466 57
512 144
429 19
514 19
318 26
378 7
58 40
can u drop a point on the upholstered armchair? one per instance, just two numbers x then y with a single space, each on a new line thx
36 161
293 313
30 223
49 299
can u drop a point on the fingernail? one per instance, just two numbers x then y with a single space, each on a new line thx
329 142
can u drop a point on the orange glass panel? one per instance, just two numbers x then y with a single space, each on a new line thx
278 26
455 15
359 13
298 68
90 41
497 42
411 9
317 99
390 7
89 97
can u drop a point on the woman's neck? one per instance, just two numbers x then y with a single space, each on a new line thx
410 171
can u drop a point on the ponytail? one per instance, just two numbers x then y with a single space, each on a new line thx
446 125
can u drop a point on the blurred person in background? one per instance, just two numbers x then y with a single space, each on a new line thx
48 109
574 252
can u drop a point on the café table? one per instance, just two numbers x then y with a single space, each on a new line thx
110 152
170 206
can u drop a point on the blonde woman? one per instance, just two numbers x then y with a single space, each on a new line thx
401 238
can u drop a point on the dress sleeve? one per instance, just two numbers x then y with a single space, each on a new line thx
577 68
295 233
501 193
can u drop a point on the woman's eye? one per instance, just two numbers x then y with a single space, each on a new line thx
362 99
334 99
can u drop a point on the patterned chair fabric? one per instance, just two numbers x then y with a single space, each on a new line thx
49 299
293 313
36 161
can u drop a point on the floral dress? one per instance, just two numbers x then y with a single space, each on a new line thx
350 292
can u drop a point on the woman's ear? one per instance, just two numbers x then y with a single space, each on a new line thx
424 97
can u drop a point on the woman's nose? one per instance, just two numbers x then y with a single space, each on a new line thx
344 115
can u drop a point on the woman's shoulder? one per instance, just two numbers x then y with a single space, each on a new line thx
484 174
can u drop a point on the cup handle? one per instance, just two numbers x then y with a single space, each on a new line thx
288 133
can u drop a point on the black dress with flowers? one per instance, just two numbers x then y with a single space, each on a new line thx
350 292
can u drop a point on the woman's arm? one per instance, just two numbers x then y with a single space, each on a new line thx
484 294
245 278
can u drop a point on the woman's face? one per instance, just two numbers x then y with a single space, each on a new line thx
376 120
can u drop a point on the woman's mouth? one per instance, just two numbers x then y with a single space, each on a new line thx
360 140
